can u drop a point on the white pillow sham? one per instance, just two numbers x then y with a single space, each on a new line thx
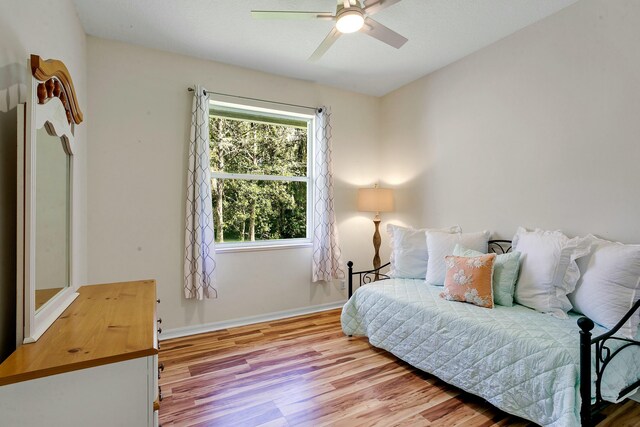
440 245
548 269
609 284
409 250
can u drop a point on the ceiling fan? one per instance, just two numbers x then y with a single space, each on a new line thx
350 16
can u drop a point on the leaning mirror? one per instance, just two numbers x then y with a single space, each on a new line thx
52 214
46 126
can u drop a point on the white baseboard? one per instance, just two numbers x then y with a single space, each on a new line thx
216 326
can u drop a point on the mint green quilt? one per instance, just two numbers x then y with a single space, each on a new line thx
523 362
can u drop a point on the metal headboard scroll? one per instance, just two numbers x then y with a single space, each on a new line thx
366 276
499 246
369 276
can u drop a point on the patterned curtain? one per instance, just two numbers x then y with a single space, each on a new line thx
199 255
327 262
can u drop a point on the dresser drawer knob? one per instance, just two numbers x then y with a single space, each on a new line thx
159 320
161 367
158 300
159 330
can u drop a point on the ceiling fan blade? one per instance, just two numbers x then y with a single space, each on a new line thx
290 15
382 33
326 44
375 6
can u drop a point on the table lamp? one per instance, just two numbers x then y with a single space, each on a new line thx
375 200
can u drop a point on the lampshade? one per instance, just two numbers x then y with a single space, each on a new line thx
375 199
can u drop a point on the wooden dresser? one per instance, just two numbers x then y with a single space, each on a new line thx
97 365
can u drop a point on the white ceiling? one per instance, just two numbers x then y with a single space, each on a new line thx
439 32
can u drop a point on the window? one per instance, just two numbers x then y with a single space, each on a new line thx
261 175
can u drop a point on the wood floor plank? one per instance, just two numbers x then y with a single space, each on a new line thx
303 371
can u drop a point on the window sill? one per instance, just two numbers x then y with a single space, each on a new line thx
261 247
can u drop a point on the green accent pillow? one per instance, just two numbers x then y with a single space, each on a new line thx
505 274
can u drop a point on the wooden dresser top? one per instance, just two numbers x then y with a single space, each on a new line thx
105 324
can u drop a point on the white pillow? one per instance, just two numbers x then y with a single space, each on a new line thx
440 245
548 270
409 251
609 285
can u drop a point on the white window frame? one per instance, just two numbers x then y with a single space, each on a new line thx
253 107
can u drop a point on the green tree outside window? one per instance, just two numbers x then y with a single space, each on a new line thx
245 147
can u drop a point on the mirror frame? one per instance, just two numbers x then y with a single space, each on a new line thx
51 103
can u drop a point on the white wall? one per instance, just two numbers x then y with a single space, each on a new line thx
137 174
50 29
540 129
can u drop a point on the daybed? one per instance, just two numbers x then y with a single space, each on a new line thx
524 362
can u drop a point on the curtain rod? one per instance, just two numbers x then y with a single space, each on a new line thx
319 110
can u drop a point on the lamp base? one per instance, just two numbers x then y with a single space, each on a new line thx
377 240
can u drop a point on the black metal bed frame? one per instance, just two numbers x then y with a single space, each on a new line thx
603 353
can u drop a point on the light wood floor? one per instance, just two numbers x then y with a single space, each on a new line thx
303 371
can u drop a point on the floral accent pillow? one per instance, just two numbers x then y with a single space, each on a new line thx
505 274
468 279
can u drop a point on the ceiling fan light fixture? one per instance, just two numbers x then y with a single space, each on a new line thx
350 21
